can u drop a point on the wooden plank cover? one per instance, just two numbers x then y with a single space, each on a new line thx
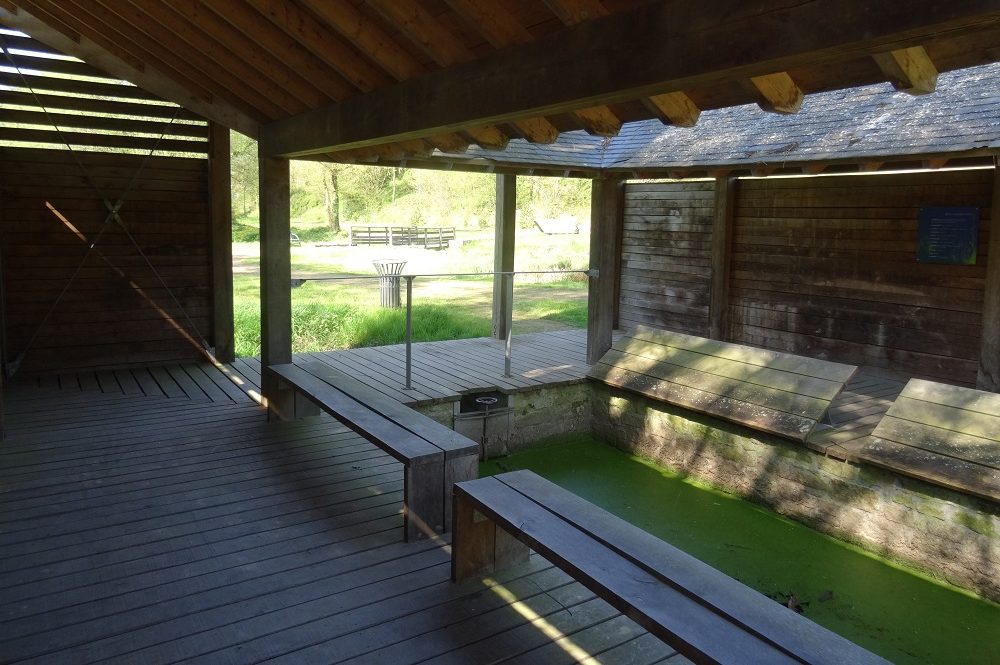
701 612
946 435
766 390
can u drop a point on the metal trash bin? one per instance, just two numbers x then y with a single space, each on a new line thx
389 282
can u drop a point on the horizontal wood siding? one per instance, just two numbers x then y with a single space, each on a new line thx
827 267
114 311
666 249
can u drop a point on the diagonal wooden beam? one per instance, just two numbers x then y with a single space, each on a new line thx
909 70
675 108
202 37
424 30
154 76
322 42
537 130
367 36
673 45
259 33
777 93
488 138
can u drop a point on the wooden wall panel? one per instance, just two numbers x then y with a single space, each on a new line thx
115 311
666 256
826 267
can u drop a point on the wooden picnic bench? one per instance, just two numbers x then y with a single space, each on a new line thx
433 456
946 435
770 391
706 615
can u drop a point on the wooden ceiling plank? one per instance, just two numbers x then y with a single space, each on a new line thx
236 64
488 138
367 36
777 93
572 12
323 42
424 30
163 82
675 108
673 45
258 30
86 121
910 70
54 19
537 130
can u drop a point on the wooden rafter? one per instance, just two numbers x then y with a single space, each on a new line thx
164 81
672 46
258 32
323 42
537 130
489 138
675 108
367 36
424 31
909 70
777 93
255 76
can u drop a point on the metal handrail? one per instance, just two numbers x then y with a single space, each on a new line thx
508 280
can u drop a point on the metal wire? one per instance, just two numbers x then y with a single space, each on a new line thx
113 215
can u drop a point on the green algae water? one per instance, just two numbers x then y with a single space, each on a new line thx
893 611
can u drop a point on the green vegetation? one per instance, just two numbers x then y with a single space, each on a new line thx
884 607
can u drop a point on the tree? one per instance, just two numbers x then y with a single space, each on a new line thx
244 172
331 196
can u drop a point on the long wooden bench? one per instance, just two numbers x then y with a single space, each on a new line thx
704 614
946 435
766 390
433 456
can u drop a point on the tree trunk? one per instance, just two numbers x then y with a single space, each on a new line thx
331 197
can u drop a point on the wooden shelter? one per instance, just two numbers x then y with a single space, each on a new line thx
283 540
386 80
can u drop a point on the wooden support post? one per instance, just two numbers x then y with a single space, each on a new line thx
479 546
605 253
989 350
503 257
220 198
722 248
275 285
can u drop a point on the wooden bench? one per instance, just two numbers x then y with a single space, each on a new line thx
433 456
943 434
765 390
704 614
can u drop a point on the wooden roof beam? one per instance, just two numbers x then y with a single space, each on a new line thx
169 86
777 93
319 39
259 32
367 36
449 142
487 138
537 130
909 70
673 45
252 78
572 12
675 108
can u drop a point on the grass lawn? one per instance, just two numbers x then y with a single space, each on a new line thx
346 313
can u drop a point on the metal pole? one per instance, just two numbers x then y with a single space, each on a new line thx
508 319
409 329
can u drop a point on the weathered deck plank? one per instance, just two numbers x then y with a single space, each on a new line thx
157 529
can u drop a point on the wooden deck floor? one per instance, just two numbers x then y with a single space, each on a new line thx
856 412
158 529
443 371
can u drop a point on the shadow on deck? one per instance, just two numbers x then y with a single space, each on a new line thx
154 529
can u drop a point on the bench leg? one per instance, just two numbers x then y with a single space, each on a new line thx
280 397
478 545
458 469
423 500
